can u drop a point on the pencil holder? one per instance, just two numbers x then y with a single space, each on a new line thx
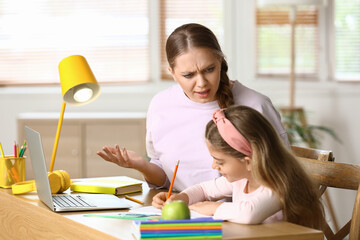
12 170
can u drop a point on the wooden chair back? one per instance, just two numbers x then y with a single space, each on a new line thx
338 175
315 154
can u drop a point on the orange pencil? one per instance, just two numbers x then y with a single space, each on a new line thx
173 179
133 199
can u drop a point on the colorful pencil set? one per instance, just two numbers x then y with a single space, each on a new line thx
18 152
198 228
12 168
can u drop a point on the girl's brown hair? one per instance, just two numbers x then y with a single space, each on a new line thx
273 165
194 35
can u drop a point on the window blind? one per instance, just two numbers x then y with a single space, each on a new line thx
347 40
175 13
113 35
274 41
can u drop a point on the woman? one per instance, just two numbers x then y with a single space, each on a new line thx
177 116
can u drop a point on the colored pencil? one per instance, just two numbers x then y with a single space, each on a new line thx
2 151
173 180
133 199
15 150
22 149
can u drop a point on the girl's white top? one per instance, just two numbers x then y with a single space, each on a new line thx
259 206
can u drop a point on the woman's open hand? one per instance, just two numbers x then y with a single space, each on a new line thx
122 157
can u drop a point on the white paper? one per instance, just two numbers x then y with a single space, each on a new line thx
155 211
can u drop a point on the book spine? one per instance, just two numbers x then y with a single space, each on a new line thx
92 189
190 221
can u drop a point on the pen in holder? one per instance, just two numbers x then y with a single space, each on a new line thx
12 170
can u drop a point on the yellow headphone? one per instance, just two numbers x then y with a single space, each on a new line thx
59 182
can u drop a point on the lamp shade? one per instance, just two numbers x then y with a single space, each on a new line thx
78 83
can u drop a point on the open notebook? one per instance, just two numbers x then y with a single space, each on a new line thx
64 202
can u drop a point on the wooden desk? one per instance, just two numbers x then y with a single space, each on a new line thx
26 217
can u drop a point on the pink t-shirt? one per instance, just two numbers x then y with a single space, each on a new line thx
175 130
259 206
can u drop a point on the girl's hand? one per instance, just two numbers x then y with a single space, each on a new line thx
159 200
206 208
122 157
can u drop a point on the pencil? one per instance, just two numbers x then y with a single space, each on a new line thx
15 149
23 152
22 149
172 180
133 199
120 217
2 151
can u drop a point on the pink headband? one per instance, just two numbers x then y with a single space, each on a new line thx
230 134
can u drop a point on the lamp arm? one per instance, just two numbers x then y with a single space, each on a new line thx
57 136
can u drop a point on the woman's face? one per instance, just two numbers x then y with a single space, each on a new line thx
198 73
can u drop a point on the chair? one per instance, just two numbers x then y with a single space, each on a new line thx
315 154
338 175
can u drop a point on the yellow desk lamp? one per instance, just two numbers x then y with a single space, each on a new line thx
79 87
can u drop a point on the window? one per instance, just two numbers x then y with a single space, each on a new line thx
274 41
113 35
347 40
175 13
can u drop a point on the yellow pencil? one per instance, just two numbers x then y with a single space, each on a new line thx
133 199
2 151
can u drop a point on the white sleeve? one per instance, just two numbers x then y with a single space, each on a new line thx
209 190
273 116
154 160
253 208
151 152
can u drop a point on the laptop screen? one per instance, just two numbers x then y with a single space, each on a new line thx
38 164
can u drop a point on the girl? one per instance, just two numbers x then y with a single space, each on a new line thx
262 176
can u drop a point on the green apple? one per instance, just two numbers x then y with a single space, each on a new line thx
175 210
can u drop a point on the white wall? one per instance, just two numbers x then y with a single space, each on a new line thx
332 104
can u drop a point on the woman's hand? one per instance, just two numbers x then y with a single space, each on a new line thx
206 208
122 157
159 200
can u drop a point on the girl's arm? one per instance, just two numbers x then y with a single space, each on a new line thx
253 208
203 197
212 190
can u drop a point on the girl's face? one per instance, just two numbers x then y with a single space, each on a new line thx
198 73
231 168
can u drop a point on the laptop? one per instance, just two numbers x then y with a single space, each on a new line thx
60 202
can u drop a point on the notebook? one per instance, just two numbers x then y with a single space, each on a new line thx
114 185
59 202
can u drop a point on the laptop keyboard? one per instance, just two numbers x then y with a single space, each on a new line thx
70 201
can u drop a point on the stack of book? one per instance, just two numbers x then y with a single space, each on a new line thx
197 228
